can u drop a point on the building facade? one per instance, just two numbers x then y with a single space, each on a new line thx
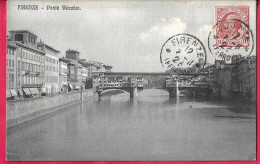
63 71
30 63
11 70
244 78
74 76
51 62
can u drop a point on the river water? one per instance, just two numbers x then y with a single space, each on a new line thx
149 127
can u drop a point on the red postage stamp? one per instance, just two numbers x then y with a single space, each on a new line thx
232 26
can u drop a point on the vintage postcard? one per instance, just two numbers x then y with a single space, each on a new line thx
171 80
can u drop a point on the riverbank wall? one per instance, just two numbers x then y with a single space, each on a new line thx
222 93
21 111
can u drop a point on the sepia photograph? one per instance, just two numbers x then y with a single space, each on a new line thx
121 80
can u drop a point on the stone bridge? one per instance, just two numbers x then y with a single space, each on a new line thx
136 82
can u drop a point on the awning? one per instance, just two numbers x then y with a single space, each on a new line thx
13 92
43 90
70 85
33 91
36 90
8 94
27 91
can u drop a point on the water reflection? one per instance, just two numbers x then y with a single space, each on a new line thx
149 127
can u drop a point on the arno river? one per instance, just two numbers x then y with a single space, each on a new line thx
150 127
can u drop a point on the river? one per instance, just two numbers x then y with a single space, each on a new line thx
149 127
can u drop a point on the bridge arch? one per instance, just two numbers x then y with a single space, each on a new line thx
111 90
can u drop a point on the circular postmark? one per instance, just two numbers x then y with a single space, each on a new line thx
230 38
183 51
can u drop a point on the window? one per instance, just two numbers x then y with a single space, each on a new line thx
19 64
12 52
12 63
18 37
12 78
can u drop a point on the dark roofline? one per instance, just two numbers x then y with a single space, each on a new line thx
107 66
68 61
63 59
11 44
72 51
49 47
30 48
22 31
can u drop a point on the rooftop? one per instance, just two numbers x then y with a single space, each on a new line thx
69 50
51 48
22 31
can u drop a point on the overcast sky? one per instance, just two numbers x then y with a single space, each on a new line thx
127 35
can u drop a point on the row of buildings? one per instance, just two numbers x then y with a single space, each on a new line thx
34 67
236 80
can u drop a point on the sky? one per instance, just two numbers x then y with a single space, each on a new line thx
127 35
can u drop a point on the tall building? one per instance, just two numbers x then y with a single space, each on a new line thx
51 76
84 74
74 70
11 74
107 68
72 54
63 71
30 62
244 78
80 80
252 77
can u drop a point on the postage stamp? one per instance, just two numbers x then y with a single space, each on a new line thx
227 49
230 31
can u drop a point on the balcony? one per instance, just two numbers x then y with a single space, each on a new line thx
25 72
31 85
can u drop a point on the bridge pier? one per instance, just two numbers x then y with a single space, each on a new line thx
172 92
99 93
133 92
